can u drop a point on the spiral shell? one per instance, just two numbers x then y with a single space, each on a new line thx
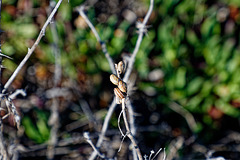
118 100
122 86
119 95
114 79
120 67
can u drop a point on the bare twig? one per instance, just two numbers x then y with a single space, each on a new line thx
87 111
102 43
174 146
185 114
54 118
129 133
132 124
55 48
54 123
142 30
104 128
30 50
88 139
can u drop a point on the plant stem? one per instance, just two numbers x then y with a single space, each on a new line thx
129 133
30 50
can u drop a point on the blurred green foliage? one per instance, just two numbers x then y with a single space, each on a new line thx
39 131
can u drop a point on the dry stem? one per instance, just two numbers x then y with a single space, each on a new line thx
129 133
54 118
30 50
142 31
102 43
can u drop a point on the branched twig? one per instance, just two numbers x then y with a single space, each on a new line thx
30 50
142 30
102 43
88 139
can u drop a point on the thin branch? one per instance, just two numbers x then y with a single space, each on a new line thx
30 50
132 124
55 48
102 43
142 30
185 114
129 133
54 123
104 128
54 118
87 111
88 139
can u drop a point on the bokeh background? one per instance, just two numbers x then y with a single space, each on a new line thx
186 76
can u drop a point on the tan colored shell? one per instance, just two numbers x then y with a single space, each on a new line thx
118 100
114 79
118 94
122 86
120 67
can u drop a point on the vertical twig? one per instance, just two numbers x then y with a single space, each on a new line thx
129 133
132 124
30 50
142 31
54 118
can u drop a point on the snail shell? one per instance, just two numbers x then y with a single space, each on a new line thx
120 67
122 86
118 94
114 79
118 100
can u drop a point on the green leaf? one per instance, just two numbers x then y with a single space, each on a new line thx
227 108
31 131
180 79
194 85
